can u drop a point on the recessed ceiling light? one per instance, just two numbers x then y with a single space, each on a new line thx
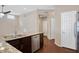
24 8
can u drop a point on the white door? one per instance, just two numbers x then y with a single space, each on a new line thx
68 23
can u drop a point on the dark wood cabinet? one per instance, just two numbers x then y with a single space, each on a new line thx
24 44
41 40
15 43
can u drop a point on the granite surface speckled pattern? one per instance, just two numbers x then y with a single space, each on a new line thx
10 48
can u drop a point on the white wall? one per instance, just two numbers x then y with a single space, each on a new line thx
32 23
7 26
28 23
45 26
52 27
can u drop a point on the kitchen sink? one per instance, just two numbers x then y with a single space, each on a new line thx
12 36
8 36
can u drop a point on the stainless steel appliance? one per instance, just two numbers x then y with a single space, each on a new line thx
77 32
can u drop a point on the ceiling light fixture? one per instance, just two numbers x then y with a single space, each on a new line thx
2 13
24 8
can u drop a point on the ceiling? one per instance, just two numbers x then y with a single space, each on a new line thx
20 9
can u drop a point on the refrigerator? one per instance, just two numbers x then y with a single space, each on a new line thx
77 31
70 30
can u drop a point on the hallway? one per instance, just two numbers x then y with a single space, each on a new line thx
50 47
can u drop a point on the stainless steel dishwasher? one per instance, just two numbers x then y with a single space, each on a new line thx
35 43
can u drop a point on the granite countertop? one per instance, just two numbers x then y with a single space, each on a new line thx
7 48
17 36
10 48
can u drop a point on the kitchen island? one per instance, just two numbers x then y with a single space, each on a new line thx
26 43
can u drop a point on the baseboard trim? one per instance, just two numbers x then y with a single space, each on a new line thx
69 48
65 47
57 44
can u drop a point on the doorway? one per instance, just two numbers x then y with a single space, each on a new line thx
43 25
47 26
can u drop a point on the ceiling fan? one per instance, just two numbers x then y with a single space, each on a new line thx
3 10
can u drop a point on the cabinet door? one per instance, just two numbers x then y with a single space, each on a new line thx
15 43
26 45
35 42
